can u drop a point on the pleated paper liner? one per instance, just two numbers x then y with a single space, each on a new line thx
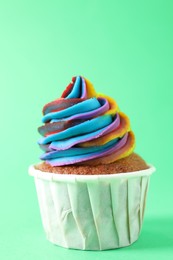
92 212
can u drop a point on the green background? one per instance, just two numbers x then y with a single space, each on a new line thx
125 48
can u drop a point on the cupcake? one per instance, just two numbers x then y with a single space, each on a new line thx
91 186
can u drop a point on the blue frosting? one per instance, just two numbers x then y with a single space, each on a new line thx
78 151
82 107
89 126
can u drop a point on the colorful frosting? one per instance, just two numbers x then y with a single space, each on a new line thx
84 127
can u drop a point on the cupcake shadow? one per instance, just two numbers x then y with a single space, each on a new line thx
156 233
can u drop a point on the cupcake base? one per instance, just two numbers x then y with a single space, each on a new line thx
92 212
131 163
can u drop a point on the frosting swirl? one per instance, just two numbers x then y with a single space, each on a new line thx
84 127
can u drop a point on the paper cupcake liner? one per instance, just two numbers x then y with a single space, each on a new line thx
94 212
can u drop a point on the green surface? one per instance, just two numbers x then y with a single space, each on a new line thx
126 49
